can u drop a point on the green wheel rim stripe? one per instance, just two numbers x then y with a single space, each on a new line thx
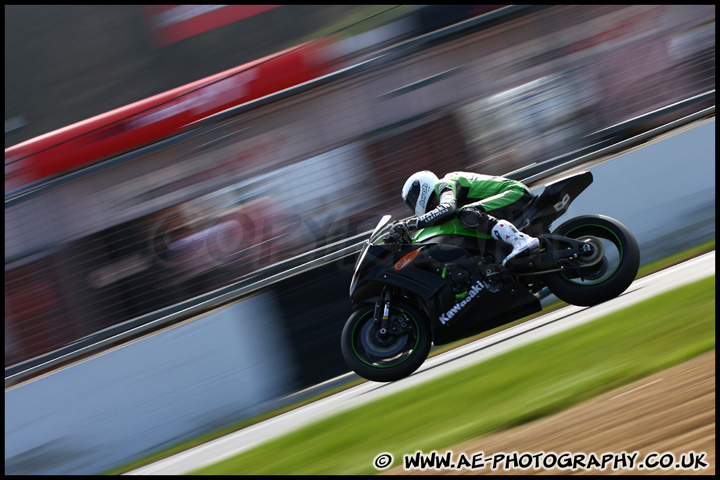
417 340
620 248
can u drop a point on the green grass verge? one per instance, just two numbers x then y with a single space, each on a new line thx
661 264
519 386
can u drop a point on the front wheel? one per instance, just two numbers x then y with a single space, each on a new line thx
600 279
390 354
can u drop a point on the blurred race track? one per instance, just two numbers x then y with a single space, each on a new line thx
461 357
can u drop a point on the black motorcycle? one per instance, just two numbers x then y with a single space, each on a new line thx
447 282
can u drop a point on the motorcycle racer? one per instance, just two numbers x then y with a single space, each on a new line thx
479 201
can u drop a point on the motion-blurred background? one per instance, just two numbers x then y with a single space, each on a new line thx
157 153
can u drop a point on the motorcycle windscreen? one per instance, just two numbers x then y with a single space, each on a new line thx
381 224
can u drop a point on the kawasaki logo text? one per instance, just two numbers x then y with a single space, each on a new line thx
474 290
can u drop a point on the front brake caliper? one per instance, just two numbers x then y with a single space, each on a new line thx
399 324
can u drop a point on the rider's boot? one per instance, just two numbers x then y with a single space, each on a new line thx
521 242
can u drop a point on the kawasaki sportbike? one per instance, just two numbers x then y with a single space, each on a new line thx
446 283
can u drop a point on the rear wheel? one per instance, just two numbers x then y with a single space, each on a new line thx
385 355
603 274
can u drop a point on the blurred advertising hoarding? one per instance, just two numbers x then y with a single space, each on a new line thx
172 23
156 118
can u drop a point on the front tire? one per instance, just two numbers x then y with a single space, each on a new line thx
385 358
605 279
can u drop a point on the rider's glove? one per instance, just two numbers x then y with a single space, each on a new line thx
402 228
411 224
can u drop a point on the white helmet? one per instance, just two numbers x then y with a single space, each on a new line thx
417 191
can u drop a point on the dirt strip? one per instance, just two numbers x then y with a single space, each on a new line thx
672 412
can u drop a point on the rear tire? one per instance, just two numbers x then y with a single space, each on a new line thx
605 279
390 357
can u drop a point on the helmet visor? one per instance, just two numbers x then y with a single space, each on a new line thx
413 194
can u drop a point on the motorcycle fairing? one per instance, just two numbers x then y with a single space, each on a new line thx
552 203
492 310
376 270
434 292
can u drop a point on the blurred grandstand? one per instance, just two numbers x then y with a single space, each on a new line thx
149 205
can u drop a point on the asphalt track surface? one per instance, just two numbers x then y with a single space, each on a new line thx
458 358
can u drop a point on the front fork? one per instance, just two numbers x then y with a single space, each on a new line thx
381 316
387 324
